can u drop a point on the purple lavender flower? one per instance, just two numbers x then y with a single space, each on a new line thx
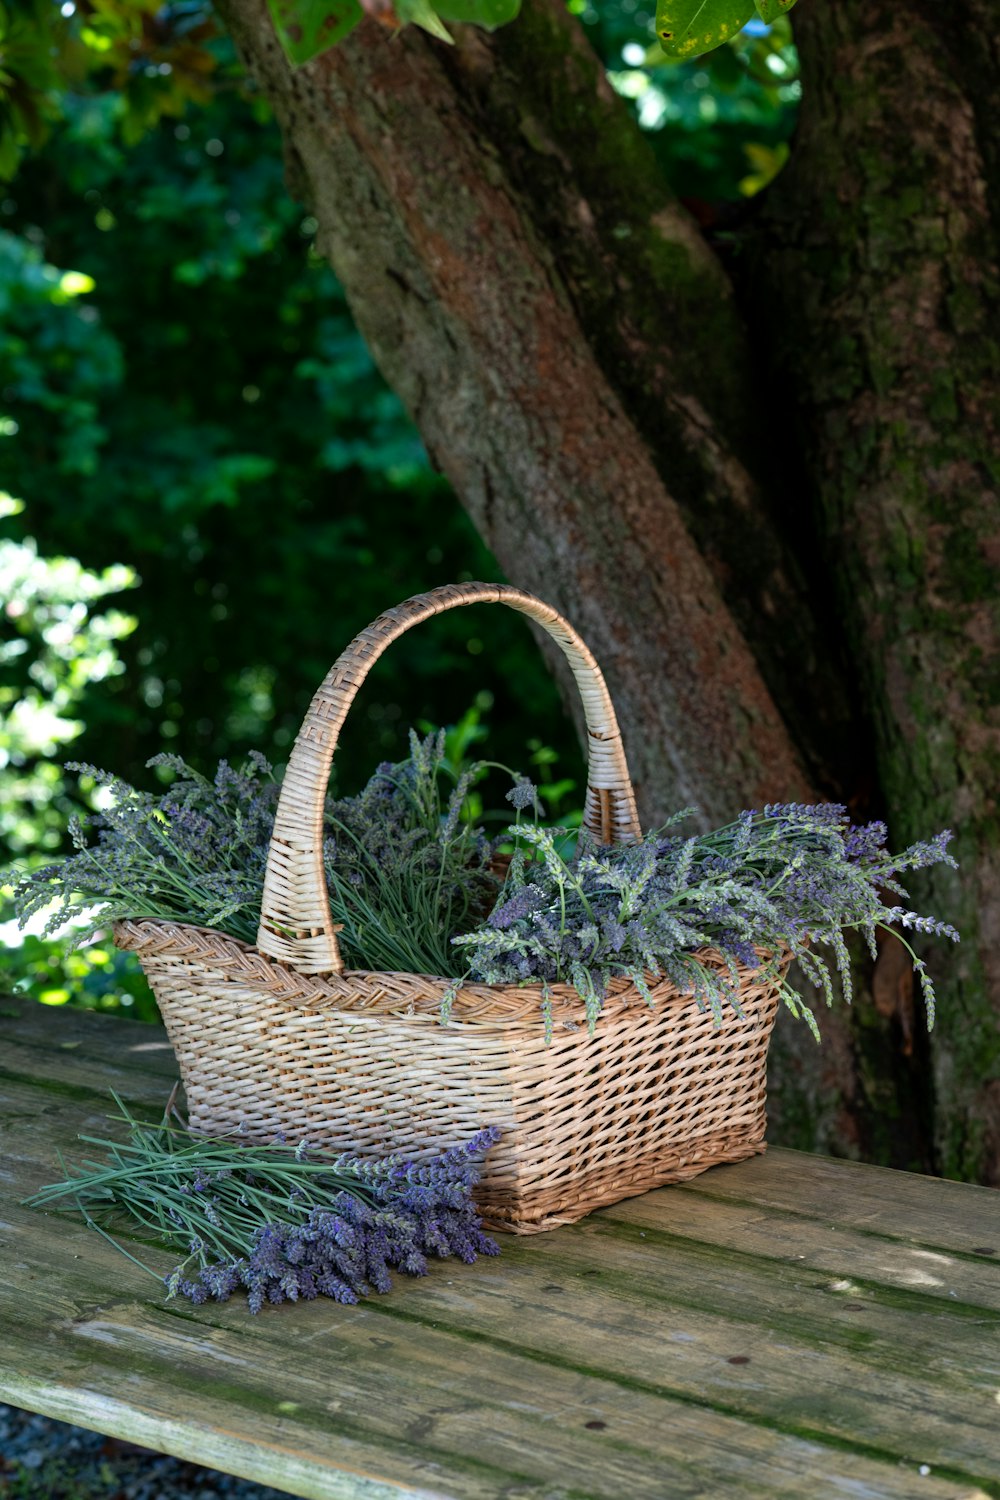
865 842
406 866
523 795
396 1215
519 906
791 878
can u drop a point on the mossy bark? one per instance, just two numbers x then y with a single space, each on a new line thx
530 287
579 364
876 277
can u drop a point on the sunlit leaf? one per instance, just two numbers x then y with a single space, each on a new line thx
487 13
765 163
770 10
75 284
687 28
308 27
54 997
421 13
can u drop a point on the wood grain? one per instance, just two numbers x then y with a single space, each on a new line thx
759 1333
416 1405
875 1200
799 1241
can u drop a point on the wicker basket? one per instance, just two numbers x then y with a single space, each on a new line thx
279 1037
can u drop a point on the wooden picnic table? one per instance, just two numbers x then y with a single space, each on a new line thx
791 1326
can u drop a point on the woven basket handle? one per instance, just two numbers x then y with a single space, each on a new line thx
295 925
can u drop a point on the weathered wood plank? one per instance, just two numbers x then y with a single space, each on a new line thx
851 1373
281 1466
48 1026
843 1365
798 1242
928 1394
74 1074
50 1031
429 1407
871 1200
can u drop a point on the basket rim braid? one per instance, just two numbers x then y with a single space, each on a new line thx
281 1039
394 992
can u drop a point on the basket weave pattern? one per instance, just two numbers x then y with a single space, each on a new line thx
279 1038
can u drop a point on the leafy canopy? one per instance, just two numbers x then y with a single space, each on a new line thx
685 28
160 58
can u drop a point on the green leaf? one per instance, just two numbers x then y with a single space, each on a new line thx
689 27
487 13
422 13
770 10
308 27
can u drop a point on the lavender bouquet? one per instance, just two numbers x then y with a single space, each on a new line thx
413 883
778 884
407 865
284 1223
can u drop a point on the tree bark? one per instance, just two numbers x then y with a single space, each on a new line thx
578 366
876 275
413 161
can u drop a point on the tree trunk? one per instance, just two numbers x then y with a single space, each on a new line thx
876 262
462 301
575 358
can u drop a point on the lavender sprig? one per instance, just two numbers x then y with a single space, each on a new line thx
282 1222
407 866
783 881
412 884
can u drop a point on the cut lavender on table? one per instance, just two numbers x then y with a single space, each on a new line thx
285 1223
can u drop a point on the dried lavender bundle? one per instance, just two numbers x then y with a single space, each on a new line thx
411 882
284 1223
407 867
195 853
789 879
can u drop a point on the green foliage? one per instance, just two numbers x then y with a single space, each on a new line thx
266 486
422 13
29 73
96 978
54 356
772 10
157 58
486 13
719 124
308 27
54 647
687 28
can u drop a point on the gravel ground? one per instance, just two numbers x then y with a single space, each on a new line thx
45 1460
